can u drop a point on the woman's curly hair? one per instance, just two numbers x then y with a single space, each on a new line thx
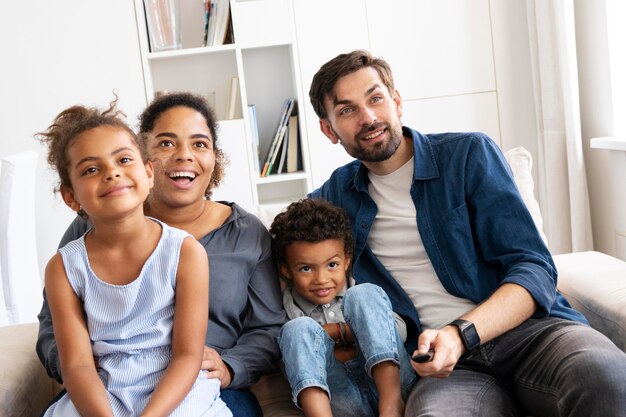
165 102
72 122
310 220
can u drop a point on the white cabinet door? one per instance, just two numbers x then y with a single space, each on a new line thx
462 113
262 23
435 48
237 183
325 28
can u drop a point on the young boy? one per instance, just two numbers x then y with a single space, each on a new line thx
338 339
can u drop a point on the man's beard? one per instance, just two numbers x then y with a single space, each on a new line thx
381 151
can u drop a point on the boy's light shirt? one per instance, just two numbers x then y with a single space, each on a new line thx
298 306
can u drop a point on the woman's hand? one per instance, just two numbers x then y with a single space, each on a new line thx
216 368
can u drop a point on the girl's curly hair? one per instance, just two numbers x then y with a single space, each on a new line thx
167 101
310 220
69 124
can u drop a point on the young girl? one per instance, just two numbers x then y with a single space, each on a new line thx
129 298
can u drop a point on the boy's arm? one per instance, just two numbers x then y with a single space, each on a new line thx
345 349
72 337
190 323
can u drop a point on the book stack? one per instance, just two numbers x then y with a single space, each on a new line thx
283 153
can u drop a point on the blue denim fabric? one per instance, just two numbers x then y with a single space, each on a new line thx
309 360
471 218
241 402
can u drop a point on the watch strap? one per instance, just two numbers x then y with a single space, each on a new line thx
468 333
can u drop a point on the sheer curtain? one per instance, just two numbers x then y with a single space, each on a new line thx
562 185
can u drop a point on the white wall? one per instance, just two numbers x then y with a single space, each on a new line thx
75 51
56 54
458 65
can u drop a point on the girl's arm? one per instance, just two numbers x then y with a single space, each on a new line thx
191 314
80 377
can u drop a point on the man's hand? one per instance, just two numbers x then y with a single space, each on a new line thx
213 363
448 348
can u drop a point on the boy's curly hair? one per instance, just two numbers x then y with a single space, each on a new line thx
310 220
73 121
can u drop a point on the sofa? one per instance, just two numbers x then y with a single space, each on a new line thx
593 282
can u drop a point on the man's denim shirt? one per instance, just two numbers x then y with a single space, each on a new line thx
474 225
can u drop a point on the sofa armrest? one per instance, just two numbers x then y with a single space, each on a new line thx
595 284
25 388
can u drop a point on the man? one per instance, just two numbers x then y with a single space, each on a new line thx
440 225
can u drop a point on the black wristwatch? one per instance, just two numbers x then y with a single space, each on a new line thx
469 335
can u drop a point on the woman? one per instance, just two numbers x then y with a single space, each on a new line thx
245 306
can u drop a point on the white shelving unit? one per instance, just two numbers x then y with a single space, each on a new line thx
264 58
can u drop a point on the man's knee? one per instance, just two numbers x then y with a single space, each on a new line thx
463 393
602 365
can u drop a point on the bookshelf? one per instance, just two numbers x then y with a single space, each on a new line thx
263 57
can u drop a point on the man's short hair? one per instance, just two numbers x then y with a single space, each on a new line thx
323 83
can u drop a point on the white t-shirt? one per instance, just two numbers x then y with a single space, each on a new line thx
396 242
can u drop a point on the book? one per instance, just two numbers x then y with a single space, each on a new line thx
221 22
233 89
293 147
207 18
211 22
254 132
278 146
270 158
283 153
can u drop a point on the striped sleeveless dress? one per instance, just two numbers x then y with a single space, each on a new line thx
130 327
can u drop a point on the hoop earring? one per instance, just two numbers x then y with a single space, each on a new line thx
82 213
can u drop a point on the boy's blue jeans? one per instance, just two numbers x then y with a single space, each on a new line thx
309 360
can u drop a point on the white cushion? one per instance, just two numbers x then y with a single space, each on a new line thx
267 212
521 163
21 297
595 285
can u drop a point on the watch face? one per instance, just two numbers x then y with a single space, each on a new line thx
470 335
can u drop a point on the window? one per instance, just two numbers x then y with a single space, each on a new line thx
616 29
